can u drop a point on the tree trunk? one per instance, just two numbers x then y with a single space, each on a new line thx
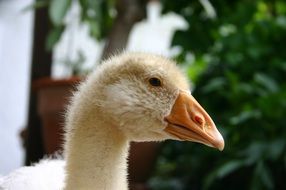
128 13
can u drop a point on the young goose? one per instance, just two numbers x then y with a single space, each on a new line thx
130 97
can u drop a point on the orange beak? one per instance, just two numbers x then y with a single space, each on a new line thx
189 121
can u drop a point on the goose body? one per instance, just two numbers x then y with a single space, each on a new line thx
130 97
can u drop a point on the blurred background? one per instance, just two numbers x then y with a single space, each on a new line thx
233 52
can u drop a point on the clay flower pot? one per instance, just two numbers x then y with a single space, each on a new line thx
53 97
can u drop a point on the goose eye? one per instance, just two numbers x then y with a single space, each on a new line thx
155 81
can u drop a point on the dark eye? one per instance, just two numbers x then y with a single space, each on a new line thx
155 81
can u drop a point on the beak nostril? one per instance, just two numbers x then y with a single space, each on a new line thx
199 120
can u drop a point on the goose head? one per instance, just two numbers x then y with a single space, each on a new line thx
147 98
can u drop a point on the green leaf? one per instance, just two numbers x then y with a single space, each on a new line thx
266 177
197 67
94 29
229 167
223 171
262 177
53 37
266 81
275 149
215 84
244 116
58 10
254 152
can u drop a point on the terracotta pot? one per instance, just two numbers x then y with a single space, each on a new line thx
53 96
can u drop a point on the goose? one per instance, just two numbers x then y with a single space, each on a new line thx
129 97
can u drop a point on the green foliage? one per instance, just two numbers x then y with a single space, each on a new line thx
240 62
57 11
77 64
53 37
98 15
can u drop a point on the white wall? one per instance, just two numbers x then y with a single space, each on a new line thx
15 55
